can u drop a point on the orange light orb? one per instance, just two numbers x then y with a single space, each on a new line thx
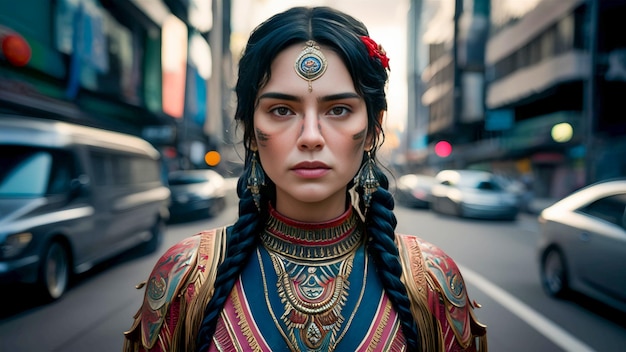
212 158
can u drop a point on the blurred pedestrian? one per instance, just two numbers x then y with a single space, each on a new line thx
313 262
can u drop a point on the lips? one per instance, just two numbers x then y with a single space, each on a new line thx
311 165
310 169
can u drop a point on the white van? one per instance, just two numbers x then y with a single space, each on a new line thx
72 196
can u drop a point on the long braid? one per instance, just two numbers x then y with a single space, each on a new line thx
242 241
381 227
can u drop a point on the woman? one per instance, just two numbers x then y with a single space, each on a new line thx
312 263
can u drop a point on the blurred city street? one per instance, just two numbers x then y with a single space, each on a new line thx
497 259
110 109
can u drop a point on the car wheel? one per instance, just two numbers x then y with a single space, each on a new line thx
554 274
55 272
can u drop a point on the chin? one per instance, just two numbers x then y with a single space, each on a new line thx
317 195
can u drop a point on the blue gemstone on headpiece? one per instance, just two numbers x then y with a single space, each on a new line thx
310 66
311 63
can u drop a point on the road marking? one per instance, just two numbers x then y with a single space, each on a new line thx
544 326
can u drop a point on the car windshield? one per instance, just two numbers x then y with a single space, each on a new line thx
187 179
25 172
488 186
481 183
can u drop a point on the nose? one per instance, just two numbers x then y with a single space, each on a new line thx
311 137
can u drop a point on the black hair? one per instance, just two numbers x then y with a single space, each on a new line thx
341 33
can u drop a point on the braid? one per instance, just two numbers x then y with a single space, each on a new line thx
381 227
242 241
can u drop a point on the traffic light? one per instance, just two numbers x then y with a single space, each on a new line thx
443 149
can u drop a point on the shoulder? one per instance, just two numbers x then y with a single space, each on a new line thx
443 285
437 264
169 280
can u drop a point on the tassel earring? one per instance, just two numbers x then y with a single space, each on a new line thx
256 179
367 180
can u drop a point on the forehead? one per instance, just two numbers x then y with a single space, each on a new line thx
285 78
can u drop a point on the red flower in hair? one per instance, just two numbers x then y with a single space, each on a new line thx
376 50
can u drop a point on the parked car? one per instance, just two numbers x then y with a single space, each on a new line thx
72 196
414 190
521 190
472 194
582 244
196 192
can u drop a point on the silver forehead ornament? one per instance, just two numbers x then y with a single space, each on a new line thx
311 63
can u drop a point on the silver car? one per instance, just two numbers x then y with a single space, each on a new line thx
582 245
473 194
196 192
413 190
72 197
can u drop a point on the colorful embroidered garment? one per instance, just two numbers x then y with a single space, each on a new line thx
320 292
309 287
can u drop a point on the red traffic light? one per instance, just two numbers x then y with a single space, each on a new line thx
443 149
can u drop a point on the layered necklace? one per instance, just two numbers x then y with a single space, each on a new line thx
313 263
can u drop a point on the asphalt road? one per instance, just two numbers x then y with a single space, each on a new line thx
497 260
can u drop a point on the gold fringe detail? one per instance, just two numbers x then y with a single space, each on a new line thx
132 339
479 329
210 254
245 328
415 279
482 344
379 329
130 345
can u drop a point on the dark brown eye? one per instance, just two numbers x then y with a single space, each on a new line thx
282 111
339 111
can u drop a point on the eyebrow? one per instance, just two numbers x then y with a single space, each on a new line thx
340 96
281 96
327 98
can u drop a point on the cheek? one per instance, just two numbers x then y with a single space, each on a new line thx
358 140
262 137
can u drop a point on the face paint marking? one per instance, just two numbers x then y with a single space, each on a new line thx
360 135
262 136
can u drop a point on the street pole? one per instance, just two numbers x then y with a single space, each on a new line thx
591 101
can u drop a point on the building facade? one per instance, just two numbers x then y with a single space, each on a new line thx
144 67
531 92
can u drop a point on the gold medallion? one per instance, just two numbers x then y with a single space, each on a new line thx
311 63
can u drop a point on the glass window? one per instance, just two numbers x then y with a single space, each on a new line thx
609 209
25 171
122 173
62 173
144 170
488 186
99 162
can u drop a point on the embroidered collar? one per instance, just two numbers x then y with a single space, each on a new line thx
312 241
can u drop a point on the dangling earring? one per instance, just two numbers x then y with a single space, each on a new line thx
367 180
256 179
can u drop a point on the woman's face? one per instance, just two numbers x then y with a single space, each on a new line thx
310 142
